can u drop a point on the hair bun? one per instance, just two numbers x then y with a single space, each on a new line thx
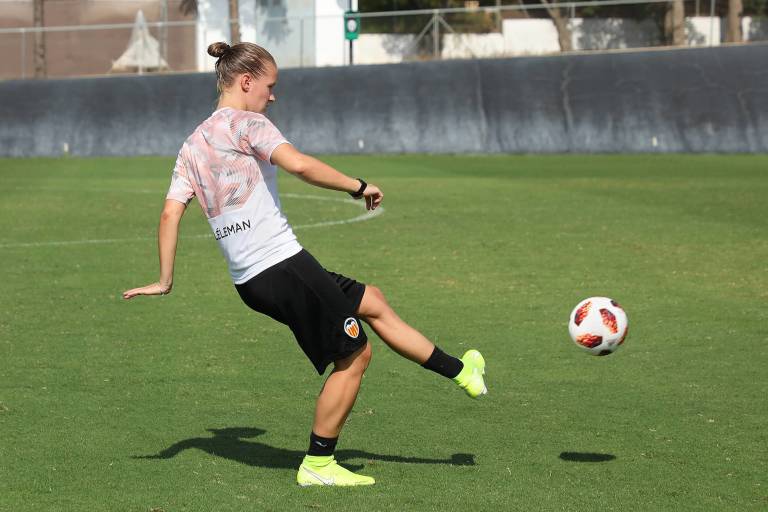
218 49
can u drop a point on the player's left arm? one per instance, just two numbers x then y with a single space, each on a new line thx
167 237
320 174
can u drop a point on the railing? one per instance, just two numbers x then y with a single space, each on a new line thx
298 41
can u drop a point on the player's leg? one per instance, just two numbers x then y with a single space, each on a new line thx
410 343
339 393
333 406
401 337
299 293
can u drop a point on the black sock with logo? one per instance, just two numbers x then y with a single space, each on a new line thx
444 364
321 446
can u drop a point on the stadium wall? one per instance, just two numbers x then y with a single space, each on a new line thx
692 100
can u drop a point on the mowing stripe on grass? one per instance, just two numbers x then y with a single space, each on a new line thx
360 218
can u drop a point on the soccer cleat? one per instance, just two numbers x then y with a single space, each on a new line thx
326 471
470 379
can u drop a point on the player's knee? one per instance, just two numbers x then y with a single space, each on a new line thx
374 303
364 359
357 362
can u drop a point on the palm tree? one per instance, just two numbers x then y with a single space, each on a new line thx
39 48
733 32
234 20
674 23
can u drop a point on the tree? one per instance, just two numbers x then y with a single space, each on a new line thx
674 23
408 24
234 21
460 22
564 35
39 47
163 31
733 31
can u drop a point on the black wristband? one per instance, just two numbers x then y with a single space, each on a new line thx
359 193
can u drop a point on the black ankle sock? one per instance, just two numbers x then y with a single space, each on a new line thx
322 446
442 363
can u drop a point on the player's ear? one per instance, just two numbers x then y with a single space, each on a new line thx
245 82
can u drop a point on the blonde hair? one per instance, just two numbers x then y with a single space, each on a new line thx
238 59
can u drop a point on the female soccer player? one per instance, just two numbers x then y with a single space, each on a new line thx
229 163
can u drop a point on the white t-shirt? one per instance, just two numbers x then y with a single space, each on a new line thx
226 164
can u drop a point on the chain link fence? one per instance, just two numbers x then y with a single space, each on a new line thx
157 36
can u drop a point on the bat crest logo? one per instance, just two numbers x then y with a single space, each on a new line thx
351 327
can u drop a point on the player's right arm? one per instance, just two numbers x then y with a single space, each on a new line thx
320 174
167 237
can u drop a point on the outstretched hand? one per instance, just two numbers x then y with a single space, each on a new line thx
373 196
150 289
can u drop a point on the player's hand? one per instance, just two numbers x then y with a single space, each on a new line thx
373 196
150 289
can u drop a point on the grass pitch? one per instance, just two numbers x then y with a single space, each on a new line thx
192 402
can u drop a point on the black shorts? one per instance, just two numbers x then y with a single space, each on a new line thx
319 306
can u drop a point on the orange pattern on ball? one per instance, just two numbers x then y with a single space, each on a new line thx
609 320
582 313
589 340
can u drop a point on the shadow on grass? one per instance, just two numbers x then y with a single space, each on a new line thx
230 443
586 457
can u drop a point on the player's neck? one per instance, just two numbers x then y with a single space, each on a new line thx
228 100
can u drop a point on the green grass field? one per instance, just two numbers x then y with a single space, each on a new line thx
193 402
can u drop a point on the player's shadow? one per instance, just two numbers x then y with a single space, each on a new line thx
586 457
230 443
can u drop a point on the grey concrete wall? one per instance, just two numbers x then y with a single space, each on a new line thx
694 100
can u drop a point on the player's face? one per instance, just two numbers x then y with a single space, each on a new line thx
259 94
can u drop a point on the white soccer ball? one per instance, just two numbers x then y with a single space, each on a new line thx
598 325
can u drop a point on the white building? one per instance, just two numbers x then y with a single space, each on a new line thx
297 32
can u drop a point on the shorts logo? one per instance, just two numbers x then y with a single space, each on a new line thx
351 327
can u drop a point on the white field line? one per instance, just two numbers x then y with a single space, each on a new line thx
360 218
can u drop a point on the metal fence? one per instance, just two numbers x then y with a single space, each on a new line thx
300 40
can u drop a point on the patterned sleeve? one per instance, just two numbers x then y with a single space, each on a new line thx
181 189
264 137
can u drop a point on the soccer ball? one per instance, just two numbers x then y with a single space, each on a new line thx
598 325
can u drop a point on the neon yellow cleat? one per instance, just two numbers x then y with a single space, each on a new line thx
470 379
316 470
